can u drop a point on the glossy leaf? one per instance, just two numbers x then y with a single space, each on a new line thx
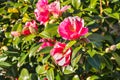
76 3
93 3
75 51
40 69
93 62
117 58
50 74
33 49
4 64
70 44
24 75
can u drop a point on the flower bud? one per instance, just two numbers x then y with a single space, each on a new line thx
4 48
113 47
32 30
45 79
107 50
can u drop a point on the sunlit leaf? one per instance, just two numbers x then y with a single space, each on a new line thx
4 64
70 44
117 58
76 3
24 75
50 74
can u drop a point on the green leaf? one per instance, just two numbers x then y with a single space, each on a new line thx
29 37
16 41
76 77
40 69
109 64
96 37
114 15
4 64
93 62
68 70
33 49
70 44
108 10
23 10
93 3
50 74
34 76
76 3
91 52
76 60
58 77
45 50
75 51
109 38
3 58
45 34
11 53
8 35
90 23
93 77
118 46
117 58
17 27
91 10
45 59
24 75
51 29
22 60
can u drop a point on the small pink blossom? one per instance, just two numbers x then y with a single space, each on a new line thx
72 28
15 33
45 79
60 57
54 8
30 27
46 43
41 11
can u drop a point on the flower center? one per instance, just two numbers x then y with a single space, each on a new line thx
72 28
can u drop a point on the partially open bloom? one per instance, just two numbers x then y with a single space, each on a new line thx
72 28
46 43
60 56
41 11
15 33
30 27
45 79
54 8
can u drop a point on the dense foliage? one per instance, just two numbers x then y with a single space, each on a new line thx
96 55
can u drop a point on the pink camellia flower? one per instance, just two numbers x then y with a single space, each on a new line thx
15 33
30 27
54 8
60 56
42 16
46 43
72 28
41 11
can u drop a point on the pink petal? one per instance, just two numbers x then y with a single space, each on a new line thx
65 8
84 31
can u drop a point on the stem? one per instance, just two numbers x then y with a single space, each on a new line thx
101 7
107 3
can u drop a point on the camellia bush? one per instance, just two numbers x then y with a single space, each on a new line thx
59 40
